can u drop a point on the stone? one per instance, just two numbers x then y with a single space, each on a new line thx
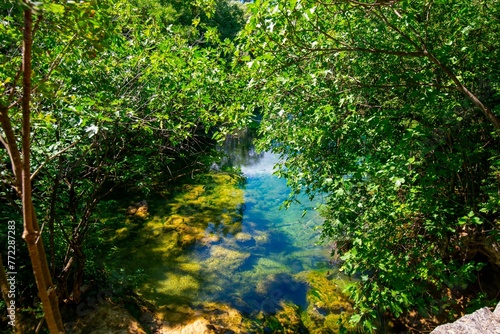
107 318
199 326
139 209
480 322
245 240
225 259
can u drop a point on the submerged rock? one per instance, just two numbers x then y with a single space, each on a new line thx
245 240
139 209
224 259
210 239
480 322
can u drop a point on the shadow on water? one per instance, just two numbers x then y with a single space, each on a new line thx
161 244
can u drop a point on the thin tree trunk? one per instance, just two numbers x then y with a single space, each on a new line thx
62 280
12 149
78 277
31 233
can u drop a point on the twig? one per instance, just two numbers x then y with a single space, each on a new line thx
52 157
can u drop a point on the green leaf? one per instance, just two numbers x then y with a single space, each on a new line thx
54 8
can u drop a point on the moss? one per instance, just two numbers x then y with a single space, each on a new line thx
271 265
328 307
155 242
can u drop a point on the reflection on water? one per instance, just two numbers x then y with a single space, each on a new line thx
224 241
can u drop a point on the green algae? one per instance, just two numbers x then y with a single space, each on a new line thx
203 255
158 243
328 306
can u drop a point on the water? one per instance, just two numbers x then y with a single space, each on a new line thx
272 246
222 245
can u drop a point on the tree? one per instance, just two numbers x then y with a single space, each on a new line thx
392 109
21 166
118 94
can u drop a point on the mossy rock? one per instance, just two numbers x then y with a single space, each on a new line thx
225 260
175 221
286 320
328 307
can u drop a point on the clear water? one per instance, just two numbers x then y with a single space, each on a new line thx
274 244
221 241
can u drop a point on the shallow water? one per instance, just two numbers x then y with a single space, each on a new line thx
224 239
254 269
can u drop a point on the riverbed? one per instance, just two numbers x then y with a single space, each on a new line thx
223 243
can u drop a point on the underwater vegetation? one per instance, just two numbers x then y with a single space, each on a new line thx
221 250
159 244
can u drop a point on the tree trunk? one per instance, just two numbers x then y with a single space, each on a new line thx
78 277
31 233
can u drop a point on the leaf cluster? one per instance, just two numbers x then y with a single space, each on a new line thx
125 95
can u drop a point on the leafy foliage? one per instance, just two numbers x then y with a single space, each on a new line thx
124 93
390 108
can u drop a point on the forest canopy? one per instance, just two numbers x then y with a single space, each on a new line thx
97 96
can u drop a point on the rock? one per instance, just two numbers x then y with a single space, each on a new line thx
107 318
487 245
139 209
480 322
210 239
245 240
492 249
206 318
225 259
131 210
199 326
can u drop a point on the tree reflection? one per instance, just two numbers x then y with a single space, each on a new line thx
239 151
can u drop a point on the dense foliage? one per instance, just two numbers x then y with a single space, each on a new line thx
123 94
391 108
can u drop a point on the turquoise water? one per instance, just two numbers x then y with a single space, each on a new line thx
221 246
273 245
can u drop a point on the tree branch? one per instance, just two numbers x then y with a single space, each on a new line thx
12 149
55 155
460 87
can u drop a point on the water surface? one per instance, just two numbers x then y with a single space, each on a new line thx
223 239
254 268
